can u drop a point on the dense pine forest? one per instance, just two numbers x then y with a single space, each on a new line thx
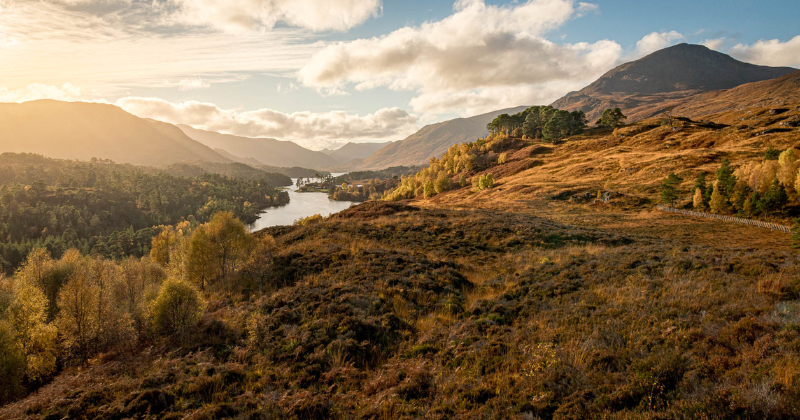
111 210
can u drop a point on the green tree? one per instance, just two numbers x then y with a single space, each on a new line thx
771 153
443 183
726 180
430 189
12 365
612 118
774 200
177 309
718 203
669 188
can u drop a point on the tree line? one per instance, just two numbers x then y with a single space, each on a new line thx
540 123
756 189
65 311
106 209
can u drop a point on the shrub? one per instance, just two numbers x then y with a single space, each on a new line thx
177 308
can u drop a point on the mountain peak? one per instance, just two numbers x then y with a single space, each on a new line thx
677 71
682 67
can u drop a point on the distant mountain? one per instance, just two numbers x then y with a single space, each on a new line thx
351 151
432 140
80 130
643 87
238 159
268 151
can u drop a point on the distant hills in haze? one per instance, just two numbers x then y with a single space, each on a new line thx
79 130
432 140
265 150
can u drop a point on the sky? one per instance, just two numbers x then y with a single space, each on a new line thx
326 72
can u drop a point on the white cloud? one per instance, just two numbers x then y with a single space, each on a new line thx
67 92
714 44
193 84
656 41
770 52
317 15
286 88
314 130
112 53
478 49
586 8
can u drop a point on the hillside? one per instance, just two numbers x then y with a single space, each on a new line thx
351 151
525 299
645 86
432 140
269 152
776 93
79 130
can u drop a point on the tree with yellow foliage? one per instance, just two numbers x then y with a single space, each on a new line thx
27 316
698 202
177 308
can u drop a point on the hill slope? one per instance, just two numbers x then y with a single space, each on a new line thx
351 151
432 140
79 130
270 152
644 86
781 92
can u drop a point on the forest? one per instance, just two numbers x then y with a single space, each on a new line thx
111 210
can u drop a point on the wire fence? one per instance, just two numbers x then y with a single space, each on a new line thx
740 220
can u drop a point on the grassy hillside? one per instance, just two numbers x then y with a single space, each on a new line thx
525 298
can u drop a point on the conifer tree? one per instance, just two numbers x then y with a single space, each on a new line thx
669 189
718 202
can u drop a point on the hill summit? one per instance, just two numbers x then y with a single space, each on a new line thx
666 75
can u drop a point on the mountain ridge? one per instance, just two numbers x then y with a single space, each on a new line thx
268 151
85 130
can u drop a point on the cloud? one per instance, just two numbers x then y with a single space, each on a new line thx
286 88
769 52
314 130
67 92
479 48
317 15
193 84
714 44
586 8
111 53
656 41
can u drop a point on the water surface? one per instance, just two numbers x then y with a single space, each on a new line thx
300 205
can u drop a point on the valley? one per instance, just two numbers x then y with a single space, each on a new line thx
511 265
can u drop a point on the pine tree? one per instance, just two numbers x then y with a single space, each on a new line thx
726 180
669 190
718 202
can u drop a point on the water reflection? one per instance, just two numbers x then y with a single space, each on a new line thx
300 205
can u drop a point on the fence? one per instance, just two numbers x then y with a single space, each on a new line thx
773 226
